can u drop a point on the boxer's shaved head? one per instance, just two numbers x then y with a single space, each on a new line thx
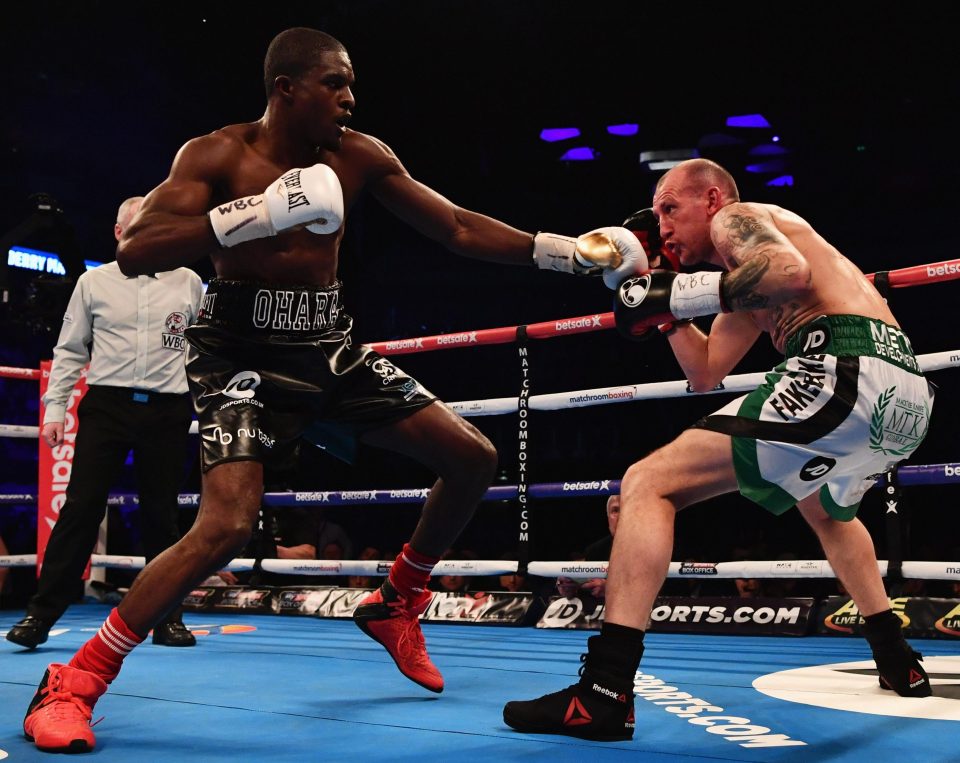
701 174
294 52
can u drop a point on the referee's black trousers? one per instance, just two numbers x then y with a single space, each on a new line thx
111 422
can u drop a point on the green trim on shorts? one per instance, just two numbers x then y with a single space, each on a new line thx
834 509
772 497
842 335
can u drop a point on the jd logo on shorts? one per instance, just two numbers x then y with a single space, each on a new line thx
815 468
242 385
817 337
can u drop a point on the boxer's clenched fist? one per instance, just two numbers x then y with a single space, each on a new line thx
311 196
614 252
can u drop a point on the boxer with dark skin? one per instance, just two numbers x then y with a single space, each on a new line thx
271 353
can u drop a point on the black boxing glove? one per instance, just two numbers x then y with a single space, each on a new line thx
663 297
645 226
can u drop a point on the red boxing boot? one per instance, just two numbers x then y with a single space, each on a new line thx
393 621
58 719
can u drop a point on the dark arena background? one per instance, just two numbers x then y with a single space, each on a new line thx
549 116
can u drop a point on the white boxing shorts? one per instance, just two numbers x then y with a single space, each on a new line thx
847 403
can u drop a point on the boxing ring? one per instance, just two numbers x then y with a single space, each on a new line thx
698 697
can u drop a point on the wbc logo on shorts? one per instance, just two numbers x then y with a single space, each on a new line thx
243 385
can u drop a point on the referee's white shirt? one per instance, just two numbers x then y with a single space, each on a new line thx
130 330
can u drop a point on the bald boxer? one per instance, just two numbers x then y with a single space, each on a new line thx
847 403
271 356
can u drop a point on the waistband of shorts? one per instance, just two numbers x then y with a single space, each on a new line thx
262 308
853 335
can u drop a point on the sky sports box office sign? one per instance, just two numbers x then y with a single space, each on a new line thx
482 608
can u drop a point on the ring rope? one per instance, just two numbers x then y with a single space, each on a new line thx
916 275
584 398
928 474
792 568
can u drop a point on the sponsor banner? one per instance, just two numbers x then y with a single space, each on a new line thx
238 598
494 608
921 617
55 464
199 599
10 372
708 614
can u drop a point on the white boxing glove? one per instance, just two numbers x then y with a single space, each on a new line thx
614 252
552 251
617 250
311 196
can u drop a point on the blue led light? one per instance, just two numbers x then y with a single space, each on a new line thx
91 264
579 154
624 129
553 134
782 180
774 165
748 120
35 259
768 149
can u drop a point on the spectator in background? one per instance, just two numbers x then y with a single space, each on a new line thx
453 583
286 533
513 582
330 532
130 330
369 553
748 588
598 551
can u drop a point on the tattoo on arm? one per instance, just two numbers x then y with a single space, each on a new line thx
738 286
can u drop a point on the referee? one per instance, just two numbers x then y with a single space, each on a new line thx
130 331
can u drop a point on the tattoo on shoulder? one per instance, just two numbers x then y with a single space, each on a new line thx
746 230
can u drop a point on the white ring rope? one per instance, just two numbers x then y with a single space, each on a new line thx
584 398
791 568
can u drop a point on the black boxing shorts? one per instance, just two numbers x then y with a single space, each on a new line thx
268 365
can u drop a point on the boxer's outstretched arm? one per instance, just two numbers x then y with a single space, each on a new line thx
172 228
462 231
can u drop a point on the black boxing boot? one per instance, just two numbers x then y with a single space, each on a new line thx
172 632
600 705
30 632
898 664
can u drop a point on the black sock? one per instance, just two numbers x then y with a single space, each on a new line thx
883 628
617 649
623 635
